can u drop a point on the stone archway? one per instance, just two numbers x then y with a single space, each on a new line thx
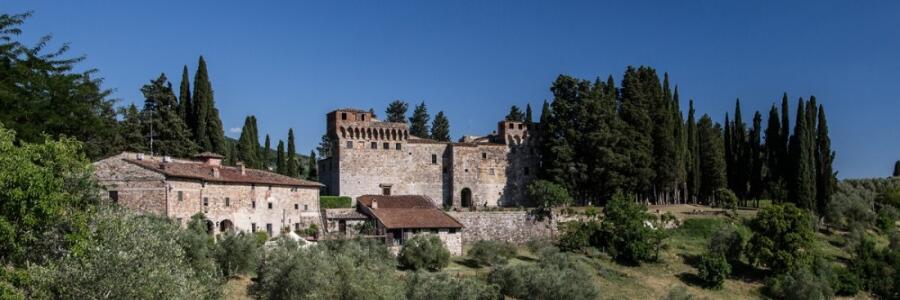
226 226
466 197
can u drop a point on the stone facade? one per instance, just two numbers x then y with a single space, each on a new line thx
375 157
229 205
512 226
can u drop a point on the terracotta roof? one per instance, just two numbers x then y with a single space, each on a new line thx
226 174
408 211
208 155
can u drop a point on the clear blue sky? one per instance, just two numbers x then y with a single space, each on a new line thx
290 63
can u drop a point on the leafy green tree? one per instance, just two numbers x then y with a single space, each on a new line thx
547 195
40 94
424 252
491 253
185 105
131 129
313 168
396 111
555 276
280 163
440 128
199 247
430 286
324 147
169 135
730 242
799 284
713 269
623 227
247 146
712 158
515 114
418 123
208 134
782 238
292 162
237 253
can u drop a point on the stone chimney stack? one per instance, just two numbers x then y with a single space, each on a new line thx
215 172
243 169
374 203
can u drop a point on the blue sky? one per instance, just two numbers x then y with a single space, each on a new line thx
289 63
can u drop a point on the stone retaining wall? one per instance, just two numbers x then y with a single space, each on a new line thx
513 226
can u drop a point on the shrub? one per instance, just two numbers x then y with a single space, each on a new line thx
713 269
237 253
725 198
798 284
261 237
730 242
555 276
845 282
576 235
492 253
424 252
624 230
679 293
545 195
782 238
886 218
425 286
334 202
535 245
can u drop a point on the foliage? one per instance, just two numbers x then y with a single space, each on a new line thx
576 235
491 253
726 198
161 121
418 123
712 170
798 284
730 242
713 269
206 126
396 112
624 230
782 238
248 145
335 270
424 252
440 127
845 282
546 195
555 276
237 253
437 286
292 162
334 202
515 114
261 237
130 257
878 270
679 293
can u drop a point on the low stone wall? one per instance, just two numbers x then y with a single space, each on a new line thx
512 226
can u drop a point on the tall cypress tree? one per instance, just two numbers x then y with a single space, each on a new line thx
440 128
681 155
664 147
693 162
185 106
786 140
418 123
636 101
775 148
202 91
265 157
247 147
739 152
756 159
529 119
712 158
163 123
897 169
826 181
802 187
280 164
396 112
312 168
293 164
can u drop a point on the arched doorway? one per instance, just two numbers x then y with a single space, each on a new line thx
210 227
226 226
466 197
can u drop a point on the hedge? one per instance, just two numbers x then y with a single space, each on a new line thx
334 202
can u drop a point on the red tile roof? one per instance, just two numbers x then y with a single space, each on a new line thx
202 171
408 211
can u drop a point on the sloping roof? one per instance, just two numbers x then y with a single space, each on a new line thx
202 171
408 211
208 155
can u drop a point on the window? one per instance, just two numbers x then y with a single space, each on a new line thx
374 145
398 147
483 155
270 187
512 126
492 171
296 206
349 144
293 189
270 205
445 170
434 159
466 170
114 196
269 228
180 196
296 226
227 201
362 117
205 201
305 206
253 203
520 126
452 230
252 227
386 190
526 170
343 116
387 146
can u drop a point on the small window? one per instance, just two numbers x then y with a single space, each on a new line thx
270 187
445 170
452 230
293 189
520 126
296 226
205 201
526 170
492 171
362 117
399 147
466 170
114 196
270 205
434 159
253 203
386 191
512 126
349 144
296 206
252 227
374 145
180 196
386 146
227 201
305 206
343 116
483 155
252 186
269 228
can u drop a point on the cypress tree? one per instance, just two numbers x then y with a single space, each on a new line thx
635 114
728 139
786 139
418 123
292 163
396 112
897 169
802 187
247 147
163 123
664 148
681 155
312 168
558 155
265 157
712 158
372 112
739 152
440 128
774 154
185 106
756 159
515 114
528 117
131 130
693 162
201 109
280 165
826 180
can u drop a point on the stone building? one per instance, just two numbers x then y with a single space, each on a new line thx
232 198
399 218
374 157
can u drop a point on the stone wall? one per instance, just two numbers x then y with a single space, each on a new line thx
513 226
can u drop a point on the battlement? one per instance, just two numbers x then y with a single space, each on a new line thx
512 132
358 125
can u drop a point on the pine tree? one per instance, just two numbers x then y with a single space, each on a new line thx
712 158
131 129
163 124
897 169
372 112
529 119
693 162
802 187
280 164
324 147
826 181
248 148
185 106
396 112
231 155
312 168
265 157
635 114
418 123
293 164
515 114
440 128
775 148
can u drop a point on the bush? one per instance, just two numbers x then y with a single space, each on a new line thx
845 282
878 270
340 270
798 284
424 252
886 218
555 276
725 198
237 253
261 237
334 202
535 245
679 293
782 238
492 253
730 242
546 195
425 286
624 230
713 270
576 235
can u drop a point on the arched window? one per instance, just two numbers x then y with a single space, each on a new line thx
343 132
466 197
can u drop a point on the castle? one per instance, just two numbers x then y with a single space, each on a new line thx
370 157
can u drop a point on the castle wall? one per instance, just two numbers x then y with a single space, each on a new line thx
512 226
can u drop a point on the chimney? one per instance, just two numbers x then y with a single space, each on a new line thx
140 156
215 172
243 169
374 203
